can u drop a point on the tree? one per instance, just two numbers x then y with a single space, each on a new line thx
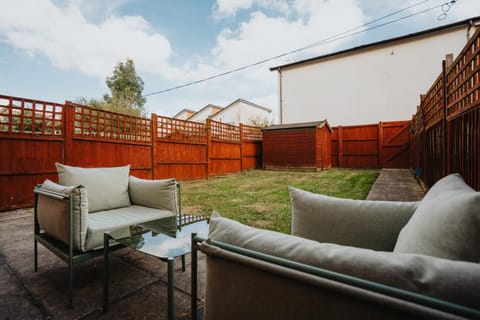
126 87
126 91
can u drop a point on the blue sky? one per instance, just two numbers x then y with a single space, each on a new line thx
59 50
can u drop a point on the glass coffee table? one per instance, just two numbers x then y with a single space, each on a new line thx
166 239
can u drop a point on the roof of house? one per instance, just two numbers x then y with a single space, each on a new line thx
244 101
468 22
301 125
184 110
212 106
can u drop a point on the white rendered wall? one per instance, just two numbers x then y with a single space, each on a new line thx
376 84
241 112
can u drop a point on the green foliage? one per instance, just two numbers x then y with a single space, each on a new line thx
260 198
126 91
126 87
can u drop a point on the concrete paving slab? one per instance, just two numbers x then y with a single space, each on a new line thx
138 287
396 185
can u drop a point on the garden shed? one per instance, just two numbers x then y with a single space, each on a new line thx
298 146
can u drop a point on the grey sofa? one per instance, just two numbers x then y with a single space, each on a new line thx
350 259
72 216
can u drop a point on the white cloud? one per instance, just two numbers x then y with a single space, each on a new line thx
264 36
229 8
64 36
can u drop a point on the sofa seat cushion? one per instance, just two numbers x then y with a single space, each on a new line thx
102 221
446 223
359 223
453 281
107 187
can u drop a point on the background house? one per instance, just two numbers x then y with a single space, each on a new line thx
184 114
370 83
243 111
239 111
204 113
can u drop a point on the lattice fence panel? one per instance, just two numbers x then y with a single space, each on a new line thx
169 129
250 133
224 132
30 117
463 80
105 125
432 104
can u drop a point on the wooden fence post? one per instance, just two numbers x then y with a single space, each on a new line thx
340 147
380 145
69 113
153 146
208 127
241 147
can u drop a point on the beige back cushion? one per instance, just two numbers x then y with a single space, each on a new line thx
446 223
454 281
158 194
359 223
53 214
107 187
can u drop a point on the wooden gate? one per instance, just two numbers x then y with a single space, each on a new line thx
382 145
395 144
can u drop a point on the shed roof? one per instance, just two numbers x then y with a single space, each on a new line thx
300 125
470 21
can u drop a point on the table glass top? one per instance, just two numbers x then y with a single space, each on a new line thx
160 238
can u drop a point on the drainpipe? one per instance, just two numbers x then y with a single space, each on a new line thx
280 95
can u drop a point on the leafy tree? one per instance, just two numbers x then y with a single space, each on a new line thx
126 87
126 91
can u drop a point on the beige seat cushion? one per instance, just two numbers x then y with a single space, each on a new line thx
53 214
359 223
102 221
446 223
454 281
107 187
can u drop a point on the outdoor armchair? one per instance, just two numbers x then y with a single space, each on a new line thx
72 216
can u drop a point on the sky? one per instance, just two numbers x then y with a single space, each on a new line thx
58 50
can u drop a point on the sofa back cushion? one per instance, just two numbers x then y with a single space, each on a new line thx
359 223
446 223
454 281
158 194
107 187
53 214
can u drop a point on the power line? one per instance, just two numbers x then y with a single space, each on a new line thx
339 36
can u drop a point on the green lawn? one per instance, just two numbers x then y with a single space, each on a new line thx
260 198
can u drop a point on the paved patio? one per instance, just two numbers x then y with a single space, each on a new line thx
138 287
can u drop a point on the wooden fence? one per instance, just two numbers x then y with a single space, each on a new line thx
446 130
36 134
382 145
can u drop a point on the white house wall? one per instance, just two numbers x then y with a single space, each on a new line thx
377 84
241 112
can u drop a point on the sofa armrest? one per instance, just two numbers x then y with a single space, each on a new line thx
358 223
158 194
62 212
453 281
271 287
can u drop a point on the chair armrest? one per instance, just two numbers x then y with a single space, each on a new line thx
359 223
158 194
62 213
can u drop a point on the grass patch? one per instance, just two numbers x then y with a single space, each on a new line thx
260 198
